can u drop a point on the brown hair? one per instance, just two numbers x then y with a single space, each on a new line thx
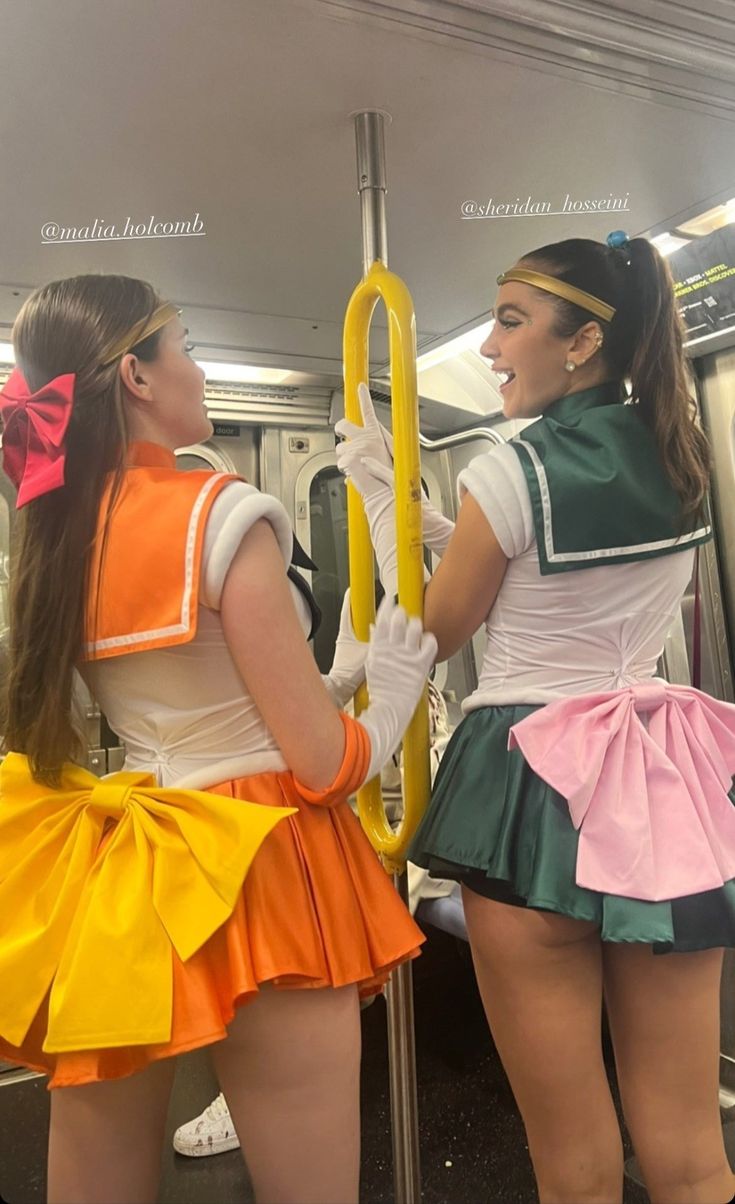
64 327
643 343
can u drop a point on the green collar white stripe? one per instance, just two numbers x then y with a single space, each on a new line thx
634 551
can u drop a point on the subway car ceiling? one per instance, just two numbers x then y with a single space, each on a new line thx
218 161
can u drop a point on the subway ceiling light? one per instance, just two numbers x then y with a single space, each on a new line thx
248 373
471 340
713 219
665 244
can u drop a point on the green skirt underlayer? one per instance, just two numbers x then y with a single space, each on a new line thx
497 827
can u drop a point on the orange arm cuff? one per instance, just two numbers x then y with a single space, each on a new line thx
352 771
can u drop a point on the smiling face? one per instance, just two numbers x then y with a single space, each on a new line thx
164 398
522 345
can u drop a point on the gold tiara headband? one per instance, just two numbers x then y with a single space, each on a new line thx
550 284
141 330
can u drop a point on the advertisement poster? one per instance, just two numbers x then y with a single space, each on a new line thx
704 275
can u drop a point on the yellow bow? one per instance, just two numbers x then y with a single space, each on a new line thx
96 926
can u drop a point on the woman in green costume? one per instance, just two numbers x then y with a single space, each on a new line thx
585 805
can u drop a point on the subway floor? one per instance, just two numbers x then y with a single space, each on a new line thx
473 1149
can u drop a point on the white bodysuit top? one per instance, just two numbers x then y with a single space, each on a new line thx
184 713
566 633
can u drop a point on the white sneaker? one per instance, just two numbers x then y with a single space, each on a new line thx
210 1133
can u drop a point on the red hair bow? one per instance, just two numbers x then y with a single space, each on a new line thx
34 427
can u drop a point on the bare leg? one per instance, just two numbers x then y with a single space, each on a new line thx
540 977
290 1072
665 1023
105 1139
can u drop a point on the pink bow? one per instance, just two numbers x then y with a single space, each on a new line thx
34 427
646 772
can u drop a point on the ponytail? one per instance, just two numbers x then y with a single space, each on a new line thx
659 377
643 344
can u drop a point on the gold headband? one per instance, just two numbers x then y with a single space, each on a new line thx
550 284
141 330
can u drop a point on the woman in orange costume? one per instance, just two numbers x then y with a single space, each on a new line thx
223 866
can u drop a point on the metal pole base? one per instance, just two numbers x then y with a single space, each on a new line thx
403 1096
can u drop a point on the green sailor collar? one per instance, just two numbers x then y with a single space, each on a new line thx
599 493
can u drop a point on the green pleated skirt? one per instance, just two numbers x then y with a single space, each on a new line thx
498 828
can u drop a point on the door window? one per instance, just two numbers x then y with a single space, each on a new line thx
328 525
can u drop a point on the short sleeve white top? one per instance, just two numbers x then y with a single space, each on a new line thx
566 633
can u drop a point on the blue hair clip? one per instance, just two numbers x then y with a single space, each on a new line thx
618 239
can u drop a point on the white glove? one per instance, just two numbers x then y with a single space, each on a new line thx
400 655
348 666
370 441
367 461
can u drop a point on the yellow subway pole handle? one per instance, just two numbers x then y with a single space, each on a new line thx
381 284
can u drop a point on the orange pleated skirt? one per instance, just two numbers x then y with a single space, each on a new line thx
316 910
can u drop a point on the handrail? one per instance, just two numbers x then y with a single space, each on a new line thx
381 284
457 438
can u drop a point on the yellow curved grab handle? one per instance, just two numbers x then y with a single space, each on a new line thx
380 284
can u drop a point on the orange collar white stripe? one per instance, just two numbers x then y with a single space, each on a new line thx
145 594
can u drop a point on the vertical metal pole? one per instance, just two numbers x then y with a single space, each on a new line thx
401 1045
402 1066
372 188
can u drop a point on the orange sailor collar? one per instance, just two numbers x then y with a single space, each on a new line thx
144 579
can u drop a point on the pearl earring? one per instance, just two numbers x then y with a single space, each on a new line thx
570 366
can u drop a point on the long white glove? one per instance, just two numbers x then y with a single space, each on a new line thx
369 440
348 667
400 655
367 460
